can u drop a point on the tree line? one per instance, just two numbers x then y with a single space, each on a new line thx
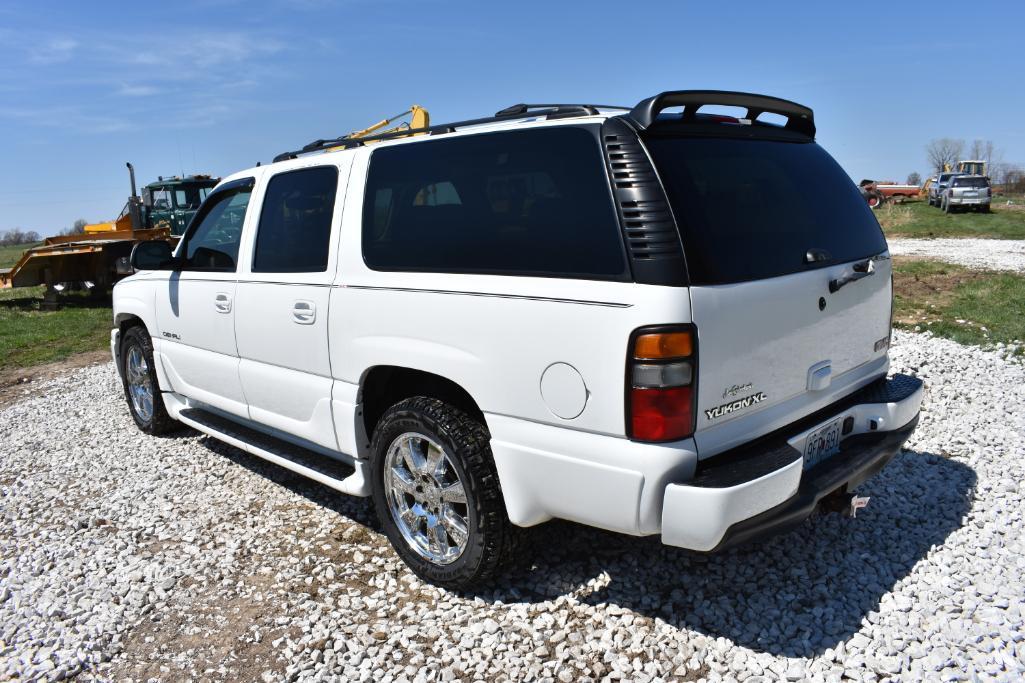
17 236
946 152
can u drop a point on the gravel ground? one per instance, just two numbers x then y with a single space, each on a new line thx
973 253
125 556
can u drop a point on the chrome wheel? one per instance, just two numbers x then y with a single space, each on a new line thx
140 387
426 498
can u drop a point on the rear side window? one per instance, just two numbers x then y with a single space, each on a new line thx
295 223
752 209
528 202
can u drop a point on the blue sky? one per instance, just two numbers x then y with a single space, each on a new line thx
216 86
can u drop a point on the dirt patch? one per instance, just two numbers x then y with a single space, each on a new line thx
15 383
922 294
209 637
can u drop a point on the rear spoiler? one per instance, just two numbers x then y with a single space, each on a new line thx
799 118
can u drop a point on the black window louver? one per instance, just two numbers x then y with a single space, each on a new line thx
652 239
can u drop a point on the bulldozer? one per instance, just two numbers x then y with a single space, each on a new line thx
98 257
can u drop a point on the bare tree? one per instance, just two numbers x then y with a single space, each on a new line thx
77 228
985 150
914 178
1009 177
17 236
943 152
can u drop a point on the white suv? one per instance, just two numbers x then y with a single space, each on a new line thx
649 320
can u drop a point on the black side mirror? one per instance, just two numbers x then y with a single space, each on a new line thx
152 255
147 198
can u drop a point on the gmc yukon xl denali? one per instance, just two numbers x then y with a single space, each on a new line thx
653 320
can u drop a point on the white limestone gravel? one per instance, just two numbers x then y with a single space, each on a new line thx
979 254
124 556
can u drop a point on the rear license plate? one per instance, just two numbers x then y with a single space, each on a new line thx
822 443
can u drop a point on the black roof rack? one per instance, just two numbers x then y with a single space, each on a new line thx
799 117
550 111
589 109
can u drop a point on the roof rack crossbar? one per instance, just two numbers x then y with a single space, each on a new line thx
799 117
546 110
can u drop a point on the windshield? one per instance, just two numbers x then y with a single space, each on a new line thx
189 197
752 209
970 182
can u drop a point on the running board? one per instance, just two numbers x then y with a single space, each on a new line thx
351 479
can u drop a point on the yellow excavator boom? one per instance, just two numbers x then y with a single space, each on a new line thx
418 118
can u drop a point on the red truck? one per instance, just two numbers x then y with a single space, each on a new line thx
877 193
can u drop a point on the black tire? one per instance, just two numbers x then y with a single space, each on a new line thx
491 539
159 422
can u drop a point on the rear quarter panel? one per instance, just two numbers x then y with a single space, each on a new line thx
493 335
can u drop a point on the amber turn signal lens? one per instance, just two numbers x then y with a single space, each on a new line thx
664 345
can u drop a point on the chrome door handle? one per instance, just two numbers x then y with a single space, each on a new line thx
304 312
222 302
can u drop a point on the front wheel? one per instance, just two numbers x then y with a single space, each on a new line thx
139 378
437 493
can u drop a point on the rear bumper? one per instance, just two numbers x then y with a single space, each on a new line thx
969 201
762 488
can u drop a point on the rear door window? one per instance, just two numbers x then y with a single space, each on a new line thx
527 202
295 223
752 209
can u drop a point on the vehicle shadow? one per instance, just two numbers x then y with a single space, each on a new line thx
794 595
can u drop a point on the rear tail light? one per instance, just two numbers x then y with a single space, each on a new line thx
660 371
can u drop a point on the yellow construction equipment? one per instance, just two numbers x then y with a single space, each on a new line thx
418 118
972 166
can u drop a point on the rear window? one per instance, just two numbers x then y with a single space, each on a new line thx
527 202
752 209
970 182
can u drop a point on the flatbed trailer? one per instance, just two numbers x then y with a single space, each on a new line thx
90 258
99 256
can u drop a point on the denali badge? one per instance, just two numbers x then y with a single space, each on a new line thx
736 389
739 404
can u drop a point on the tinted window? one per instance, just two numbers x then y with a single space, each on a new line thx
751 209
295 224
970 182
529 202
214 235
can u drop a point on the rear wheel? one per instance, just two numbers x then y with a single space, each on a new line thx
139 377
437 493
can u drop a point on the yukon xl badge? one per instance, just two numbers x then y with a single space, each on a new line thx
733 406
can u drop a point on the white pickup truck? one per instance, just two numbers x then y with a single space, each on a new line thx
638 319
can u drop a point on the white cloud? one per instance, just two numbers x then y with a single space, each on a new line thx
53 51
137 90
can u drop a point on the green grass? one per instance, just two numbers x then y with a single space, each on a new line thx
970 307
918 219
10 255
30 336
